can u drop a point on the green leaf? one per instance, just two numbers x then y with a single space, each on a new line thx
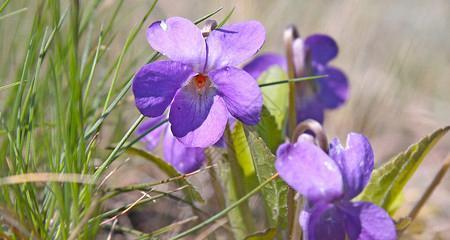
243 155
267 234
276 96
269 131
387 182
274 193
190 191
239 176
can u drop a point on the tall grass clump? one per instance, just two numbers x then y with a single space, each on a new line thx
60 83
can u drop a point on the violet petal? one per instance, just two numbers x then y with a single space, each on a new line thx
155 85
356 162
212 128
232 44
310 171
180 40
240 93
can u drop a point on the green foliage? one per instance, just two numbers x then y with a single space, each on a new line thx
268 234
387 182
242 155
65 72
275 96
274 193
269 131
239 176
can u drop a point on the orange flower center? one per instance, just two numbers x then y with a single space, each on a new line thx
200 81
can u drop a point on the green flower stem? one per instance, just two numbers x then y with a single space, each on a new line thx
226 210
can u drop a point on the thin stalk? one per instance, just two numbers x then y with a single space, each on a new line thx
226 210
426 195
112 155
293 80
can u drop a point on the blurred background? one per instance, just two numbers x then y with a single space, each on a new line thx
396 55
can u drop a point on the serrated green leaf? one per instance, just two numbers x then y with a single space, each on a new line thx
190 191
269 130
276 96
267 234
387 182
274 193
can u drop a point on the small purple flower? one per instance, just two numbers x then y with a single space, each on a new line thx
311 58
183 159
200 82
329 182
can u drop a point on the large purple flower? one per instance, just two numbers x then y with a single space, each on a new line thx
311 58
183 159
200 82
329 182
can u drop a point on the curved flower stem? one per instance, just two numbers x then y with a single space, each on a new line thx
290 34
316 128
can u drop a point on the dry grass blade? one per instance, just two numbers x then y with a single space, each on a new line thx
47 177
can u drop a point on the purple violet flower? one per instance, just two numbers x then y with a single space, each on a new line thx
200 82
311 58
183 159
329 182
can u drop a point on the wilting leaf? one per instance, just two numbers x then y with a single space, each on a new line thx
387 182
275 96
190 191
274 193
268 234
269 131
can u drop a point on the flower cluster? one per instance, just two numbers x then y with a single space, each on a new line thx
329 182
311 58
203 88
